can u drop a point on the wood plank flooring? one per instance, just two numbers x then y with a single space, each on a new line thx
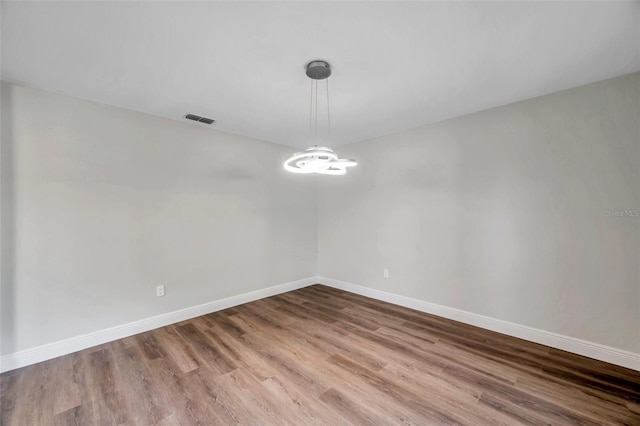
320 356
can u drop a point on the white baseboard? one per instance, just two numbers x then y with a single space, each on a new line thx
569 344
74 344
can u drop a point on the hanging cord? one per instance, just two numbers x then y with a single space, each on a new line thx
328 113
311 109
316 121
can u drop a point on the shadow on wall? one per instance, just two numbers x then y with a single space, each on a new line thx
7 226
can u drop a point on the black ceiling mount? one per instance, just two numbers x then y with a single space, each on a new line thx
197 118
318 70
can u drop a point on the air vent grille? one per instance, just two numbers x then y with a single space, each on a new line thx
199 119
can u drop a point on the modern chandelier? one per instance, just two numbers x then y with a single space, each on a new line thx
317 159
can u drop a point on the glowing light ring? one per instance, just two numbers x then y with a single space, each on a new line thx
320 160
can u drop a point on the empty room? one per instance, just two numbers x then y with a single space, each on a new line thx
320 212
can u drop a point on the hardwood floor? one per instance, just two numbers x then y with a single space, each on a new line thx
320 356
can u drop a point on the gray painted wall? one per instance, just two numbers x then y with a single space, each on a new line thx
503 213
101 204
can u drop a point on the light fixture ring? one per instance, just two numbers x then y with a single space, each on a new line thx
320 160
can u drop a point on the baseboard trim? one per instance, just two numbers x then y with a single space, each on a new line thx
569 344
62 347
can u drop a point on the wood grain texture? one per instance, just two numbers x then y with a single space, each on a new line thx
320 356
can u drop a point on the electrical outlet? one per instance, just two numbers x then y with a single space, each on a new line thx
160 290
385 273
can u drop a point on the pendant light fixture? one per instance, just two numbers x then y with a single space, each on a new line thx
317 159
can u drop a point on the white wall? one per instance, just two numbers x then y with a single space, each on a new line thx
101 204
502 213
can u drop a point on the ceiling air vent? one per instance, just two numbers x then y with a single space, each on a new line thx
204 120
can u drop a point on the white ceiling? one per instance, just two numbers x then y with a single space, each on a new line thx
396 65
